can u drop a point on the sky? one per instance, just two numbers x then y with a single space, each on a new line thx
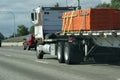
17 12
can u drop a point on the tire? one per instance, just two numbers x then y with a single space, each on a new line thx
24 48
71 53
29 47
60 52
39 54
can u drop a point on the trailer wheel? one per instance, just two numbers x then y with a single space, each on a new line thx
60 52
39 54
71 53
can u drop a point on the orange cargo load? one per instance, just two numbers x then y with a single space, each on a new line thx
91 19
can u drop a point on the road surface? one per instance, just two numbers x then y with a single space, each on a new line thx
17 64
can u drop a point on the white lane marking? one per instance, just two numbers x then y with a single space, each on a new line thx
118 79
41 61
8 55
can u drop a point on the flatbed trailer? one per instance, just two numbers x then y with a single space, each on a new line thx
71 45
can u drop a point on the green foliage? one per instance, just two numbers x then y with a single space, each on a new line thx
103 5
1 36
11 36
57 4
115 4
32 29
22 30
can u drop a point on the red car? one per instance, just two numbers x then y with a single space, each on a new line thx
29 42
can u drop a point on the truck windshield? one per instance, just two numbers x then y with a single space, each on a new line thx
34 16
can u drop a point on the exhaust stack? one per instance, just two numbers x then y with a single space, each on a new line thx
78 7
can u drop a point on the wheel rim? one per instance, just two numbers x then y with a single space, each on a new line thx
66 53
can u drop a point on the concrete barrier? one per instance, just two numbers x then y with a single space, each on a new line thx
12 44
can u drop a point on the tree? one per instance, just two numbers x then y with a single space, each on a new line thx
22 30
1 36
115 4
13 35
103 5
31 29
57 4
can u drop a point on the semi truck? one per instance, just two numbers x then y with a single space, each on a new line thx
75 35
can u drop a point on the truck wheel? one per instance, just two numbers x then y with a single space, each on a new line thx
39 54
71 53
60 52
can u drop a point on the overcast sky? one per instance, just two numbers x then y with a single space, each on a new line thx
19 11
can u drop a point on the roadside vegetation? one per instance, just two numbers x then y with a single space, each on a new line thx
16 39
22 30
113 4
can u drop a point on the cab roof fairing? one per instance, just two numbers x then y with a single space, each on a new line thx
37 10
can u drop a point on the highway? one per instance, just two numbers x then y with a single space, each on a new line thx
17 64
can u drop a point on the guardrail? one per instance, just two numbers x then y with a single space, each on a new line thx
12 44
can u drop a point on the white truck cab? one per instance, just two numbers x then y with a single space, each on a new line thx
48 19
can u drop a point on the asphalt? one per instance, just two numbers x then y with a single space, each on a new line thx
17 64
